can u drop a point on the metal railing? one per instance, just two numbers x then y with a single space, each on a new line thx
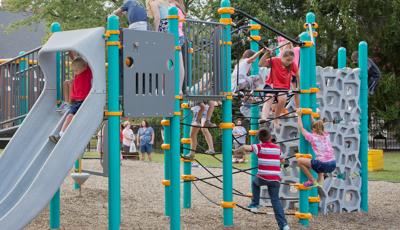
21 82
202 54
382 137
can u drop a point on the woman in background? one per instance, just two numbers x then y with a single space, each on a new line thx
145 139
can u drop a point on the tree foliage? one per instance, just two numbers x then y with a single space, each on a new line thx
73 14
341 23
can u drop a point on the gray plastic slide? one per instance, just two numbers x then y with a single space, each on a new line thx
32 168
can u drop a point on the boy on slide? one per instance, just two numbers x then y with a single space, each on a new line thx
81 85
269 174
325 161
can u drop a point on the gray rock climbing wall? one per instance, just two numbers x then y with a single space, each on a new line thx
338 102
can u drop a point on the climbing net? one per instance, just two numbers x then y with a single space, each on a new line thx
215 155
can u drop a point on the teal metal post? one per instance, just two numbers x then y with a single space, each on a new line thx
56 27
55 201
255 111
227 120
23 100
114 179
310 18
342 58
305 62
187 165
363 65
166 122
77 170
55 211
175 221
187 114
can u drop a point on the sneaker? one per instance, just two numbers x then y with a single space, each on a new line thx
210 152
310 183
63 107
209 124
190 156
286 227
253 208
54 138
234 160
196 124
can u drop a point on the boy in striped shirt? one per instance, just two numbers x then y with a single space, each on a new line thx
269 174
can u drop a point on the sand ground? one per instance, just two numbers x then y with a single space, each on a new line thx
143 204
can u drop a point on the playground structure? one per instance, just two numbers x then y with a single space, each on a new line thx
48 162
339 95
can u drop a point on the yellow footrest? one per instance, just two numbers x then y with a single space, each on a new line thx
303 216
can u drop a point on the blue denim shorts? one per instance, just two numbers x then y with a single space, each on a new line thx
323 167
146 148
74 107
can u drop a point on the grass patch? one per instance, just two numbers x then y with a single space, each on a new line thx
391 170
205 160
390 173
91 155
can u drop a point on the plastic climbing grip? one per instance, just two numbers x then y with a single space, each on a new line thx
228 204
300 215
165 122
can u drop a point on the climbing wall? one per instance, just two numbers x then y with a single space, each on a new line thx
338 103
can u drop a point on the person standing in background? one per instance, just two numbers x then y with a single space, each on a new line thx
374 74
145 140
239 138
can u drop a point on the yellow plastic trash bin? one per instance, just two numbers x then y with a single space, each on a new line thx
375 160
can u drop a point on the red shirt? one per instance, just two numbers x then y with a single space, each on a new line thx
269 164
280 75
81 85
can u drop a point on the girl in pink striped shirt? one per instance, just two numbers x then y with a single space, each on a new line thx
325 158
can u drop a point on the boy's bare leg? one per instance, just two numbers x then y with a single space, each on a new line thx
181 73
67 87
66 123
320 179
149 156
193 140
279 107
200 113
305 165
209 140
143 154
266 110
297 100
296 96
210 112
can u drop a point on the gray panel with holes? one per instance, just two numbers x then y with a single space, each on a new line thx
338 103
148 82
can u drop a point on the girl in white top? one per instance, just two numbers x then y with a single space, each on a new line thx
248 57
127 137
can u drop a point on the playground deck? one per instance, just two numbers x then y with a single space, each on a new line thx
142 204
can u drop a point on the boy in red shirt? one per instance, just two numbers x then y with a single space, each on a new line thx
269 174
81 86
282 70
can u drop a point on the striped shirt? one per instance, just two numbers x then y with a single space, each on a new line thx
269 164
